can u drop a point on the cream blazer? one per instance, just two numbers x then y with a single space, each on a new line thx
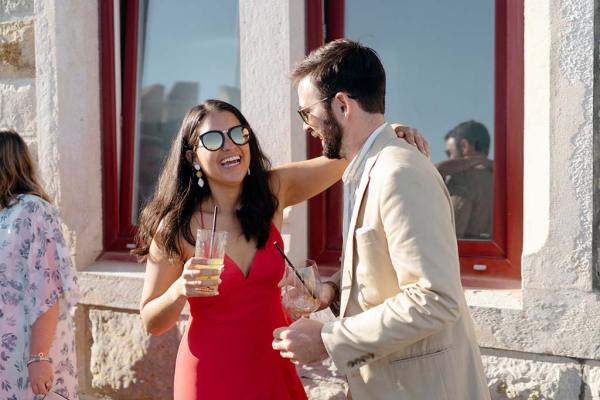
405 331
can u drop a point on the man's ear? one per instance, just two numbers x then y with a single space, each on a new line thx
341 103
465 146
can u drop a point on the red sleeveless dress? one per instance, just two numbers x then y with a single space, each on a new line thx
226 353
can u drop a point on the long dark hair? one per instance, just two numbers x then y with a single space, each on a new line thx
17 170
167 217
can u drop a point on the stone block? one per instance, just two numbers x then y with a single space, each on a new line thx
82 344
591 377
11 9
128 363
323 382
112 284
520 376
323 390
17 49
17 107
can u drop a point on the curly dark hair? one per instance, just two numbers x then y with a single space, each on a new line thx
177 193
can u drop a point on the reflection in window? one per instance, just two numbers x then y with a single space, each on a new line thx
468 174
188 52
439 62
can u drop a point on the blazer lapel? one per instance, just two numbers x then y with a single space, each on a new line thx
348 257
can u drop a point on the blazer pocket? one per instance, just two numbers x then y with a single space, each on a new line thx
365 238
418 357
363 230
426 376
367 278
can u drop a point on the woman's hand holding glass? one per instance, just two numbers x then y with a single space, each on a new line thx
201 274
199 278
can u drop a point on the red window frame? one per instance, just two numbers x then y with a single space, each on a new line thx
502 254
117 187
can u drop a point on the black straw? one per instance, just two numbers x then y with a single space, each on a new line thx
294 269
212 234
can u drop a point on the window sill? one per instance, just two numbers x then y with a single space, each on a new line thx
119 285
509 299
112 284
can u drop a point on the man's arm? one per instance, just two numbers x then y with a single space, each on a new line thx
420 236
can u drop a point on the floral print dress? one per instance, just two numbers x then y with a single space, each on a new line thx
35 271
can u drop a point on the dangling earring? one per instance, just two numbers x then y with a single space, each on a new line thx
199 174
248 171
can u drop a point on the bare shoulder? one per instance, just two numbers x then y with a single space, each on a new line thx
158 253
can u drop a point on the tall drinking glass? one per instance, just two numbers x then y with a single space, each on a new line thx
210 248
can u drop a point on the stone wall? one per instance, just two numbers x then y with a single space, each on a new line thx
596 124
539 342
17 69
558 312
529 376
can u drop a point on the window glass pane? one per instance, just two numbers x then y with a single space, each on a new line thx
439 61
188 51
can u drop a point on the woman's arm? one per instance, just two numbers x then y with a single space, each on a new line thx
166 288
162 296
299 181
42 334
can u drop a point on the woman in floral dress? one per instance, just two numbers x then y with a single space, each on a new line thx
37 284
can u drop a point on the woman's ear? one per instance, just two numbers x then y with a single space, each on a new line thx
189 155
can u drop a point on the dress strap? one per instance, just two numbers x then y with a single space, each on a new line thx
201 220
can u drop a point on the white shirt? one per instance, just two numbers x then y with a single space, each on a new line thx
352 176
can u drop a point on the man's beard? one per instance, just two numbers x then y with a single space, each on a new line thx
332 137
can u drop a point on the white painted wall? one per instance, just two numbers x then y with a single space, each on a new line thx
68 118
560 312
271 43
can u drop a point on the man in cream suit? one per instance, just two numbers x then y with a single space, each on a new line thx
404 330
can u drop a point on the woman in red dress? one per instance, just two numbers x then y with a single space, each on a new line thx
226 351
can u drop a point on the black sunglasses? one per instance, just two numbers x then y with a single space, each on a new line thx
214 140
304 112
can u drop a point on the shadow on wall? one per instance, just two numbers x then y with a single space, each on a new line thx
156 369
125 362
